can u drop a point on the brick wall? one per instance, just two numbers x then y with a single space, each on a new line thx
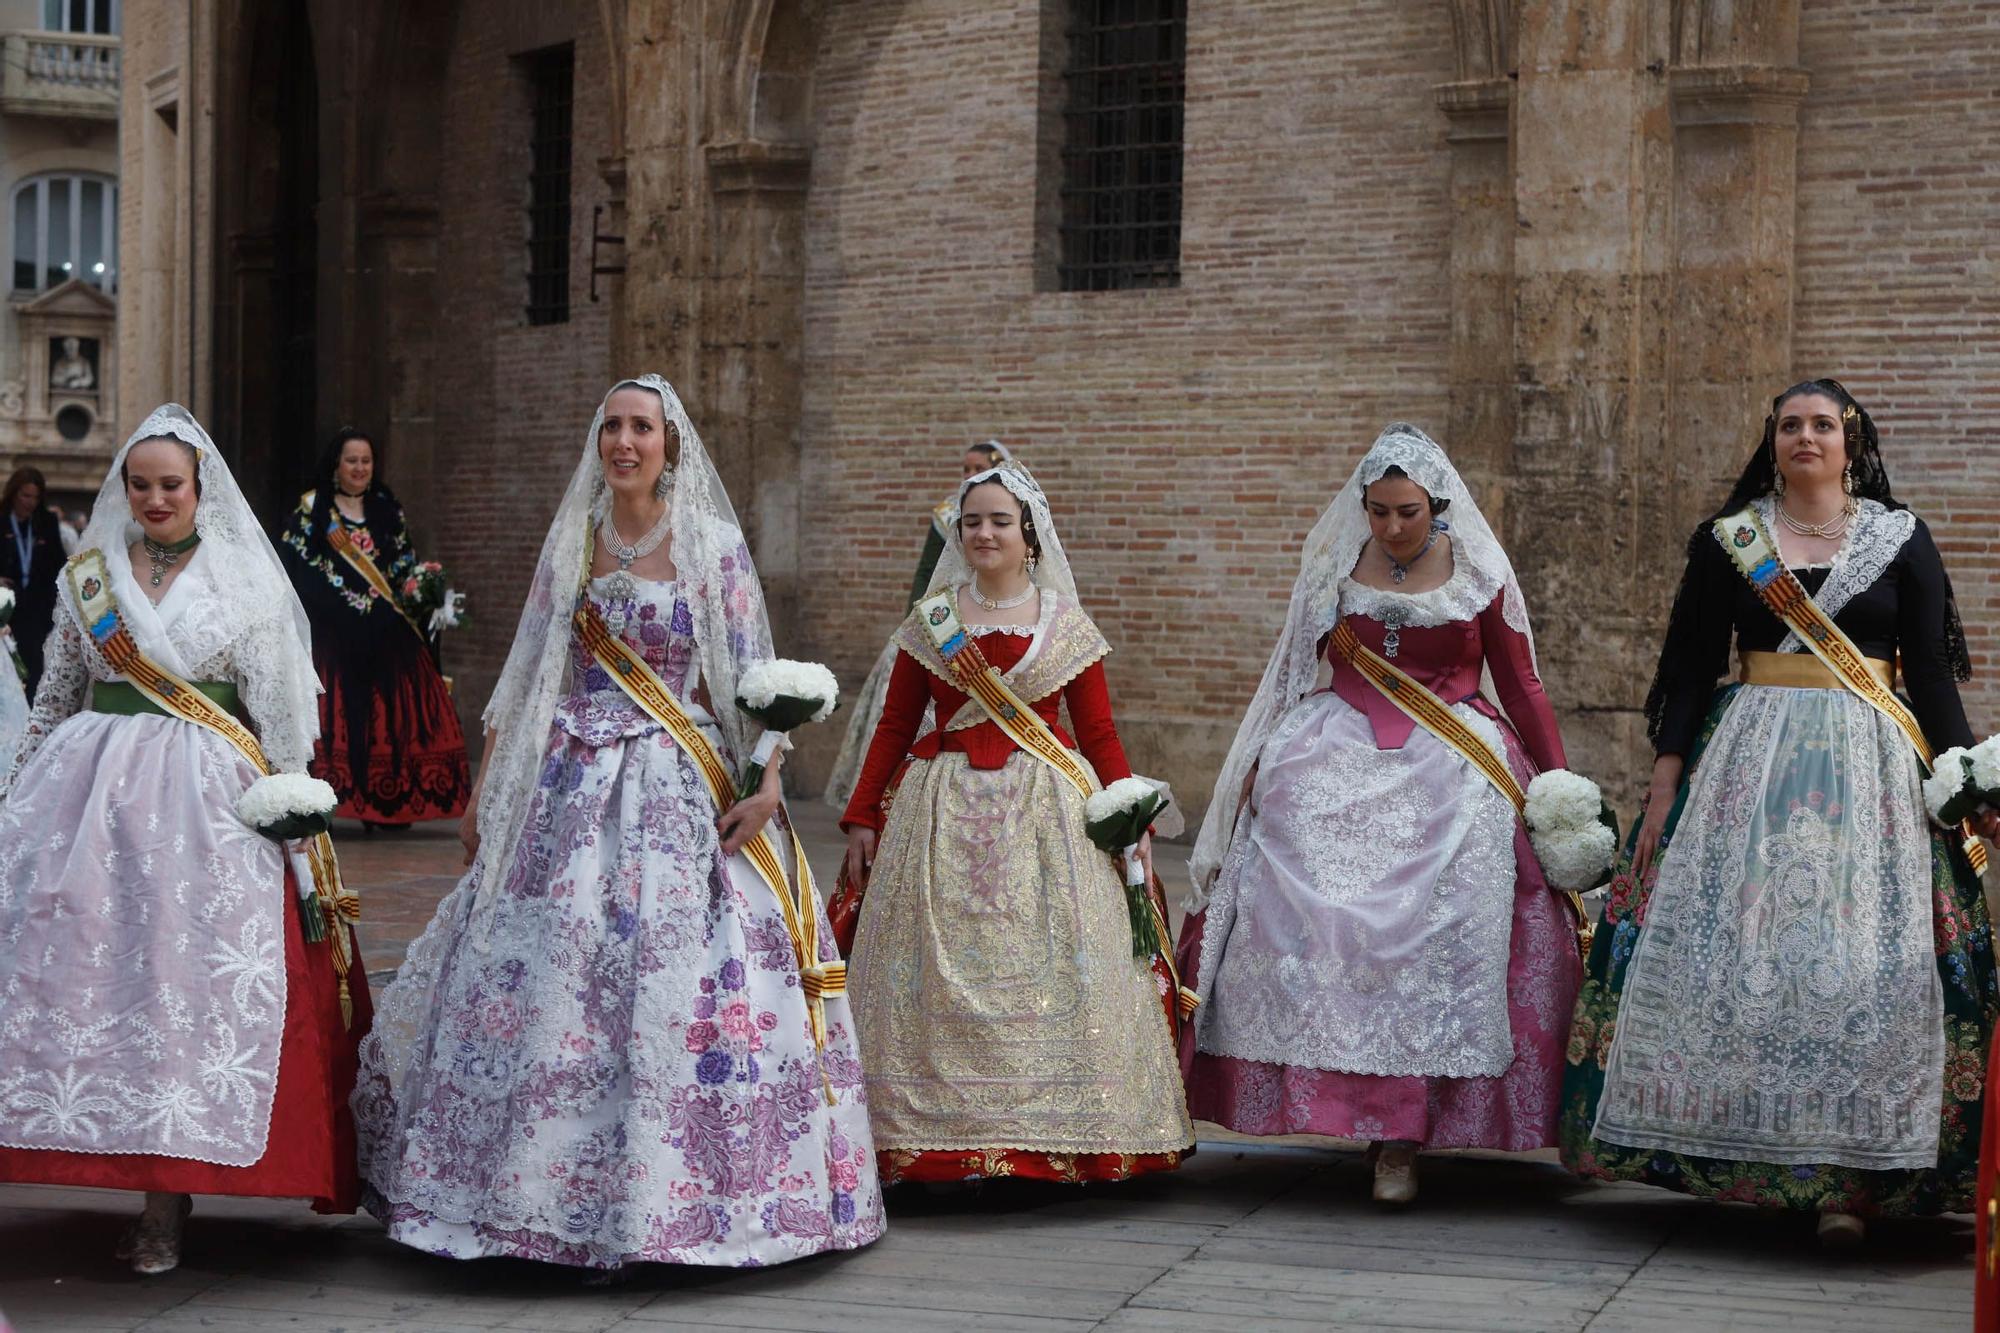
513 402
1204 424
1898 289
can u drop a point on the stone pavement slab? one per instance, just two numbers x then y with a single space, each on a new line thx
1273 1235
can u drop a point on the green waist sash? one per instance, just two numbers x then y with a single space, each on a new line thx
124 699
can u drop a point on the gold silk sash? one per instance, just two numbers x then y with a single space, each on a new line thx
820 980
1434 715
90 582
343 544
1757 558
984 684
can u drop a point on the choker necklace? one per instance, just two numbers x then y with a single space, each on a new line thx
352 495
999 603
619 587
1833 528
1399 571
163 556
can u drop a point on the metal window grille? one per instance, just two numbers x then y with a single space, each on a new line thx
1121 195
551 77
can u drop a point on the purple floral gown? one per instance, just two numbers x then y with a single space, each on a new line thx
621 1068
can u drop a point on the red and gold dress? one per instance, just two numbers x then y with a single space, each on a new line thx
1006 1029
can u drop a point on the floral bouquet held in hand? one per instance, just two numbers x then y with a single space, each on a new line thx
431 601
285 807
1572 829
1963 782
1116 818
782 694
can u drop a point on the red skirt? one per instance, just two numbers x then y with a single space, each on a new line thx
310 1153
1986 1208
416 766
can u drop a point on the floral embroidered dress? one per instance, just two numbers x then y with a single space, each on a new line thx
1380 956
1795 1010
622 1068
1006 1028
164 1024
390 742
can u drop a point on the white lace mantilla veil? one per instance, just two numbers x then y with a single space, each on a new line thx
233 545
1331 551
1052 571
1052 574
703 532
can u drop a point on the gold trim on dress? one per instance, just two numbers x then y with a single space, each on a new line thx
1799 671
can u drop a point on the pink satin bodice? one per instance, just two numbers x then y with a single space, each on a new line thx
1447 659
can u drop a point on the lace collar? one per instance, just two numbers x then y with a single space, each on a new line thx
1874 539
1461 597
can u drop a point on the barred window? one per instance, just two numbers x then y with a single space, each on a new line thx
1124 94
551 77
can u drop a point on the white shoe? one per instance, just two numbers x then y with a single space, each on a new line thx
153 1243
1395 1173
1841 1231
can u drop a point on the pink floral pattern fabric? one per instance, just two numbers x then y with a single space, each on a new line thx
621 1069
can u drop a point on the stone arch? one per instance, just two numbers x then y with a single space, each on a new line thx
1735 32
1482 37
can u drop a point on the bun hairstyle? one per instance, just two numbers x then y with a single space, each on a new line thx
1438 505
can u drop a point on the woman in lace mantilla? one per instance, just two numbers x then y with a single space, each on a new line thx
866 709
600 1051
164 1023
1379 953
390 742
1006 1028
1790 999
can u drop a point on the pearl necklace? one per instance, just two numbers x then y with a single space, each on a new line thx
1833 528
619 586
1000 603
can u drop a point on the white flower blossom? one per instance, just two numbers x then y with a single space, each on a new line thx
1575 859
1121 796
1986 764
1947 779
767 680
281 796
1561 800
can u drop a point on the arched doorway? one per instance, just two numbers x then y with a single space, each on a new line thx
268 197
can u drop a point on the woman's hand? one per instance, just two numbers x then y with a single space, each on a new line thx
1659 800
1249 784
1146 854
860 854
746 819
468 828
1987 824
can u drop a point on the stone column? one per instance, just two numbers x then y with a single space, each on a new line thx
1592 154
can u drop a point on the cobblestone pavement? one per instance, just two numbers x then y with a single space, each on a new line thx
1247 1236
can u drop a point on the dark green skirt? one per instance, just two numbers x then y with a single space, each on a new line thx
1964 943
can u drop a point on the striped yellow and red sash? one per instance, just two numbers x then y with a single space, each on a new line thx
343 544
1756 557
982 681
820 980
97 605
1434 715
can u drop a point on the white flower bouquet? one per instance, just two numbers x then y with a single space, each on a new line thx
1116 818
1963 781
6 605
287 806
1572 829
782 694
